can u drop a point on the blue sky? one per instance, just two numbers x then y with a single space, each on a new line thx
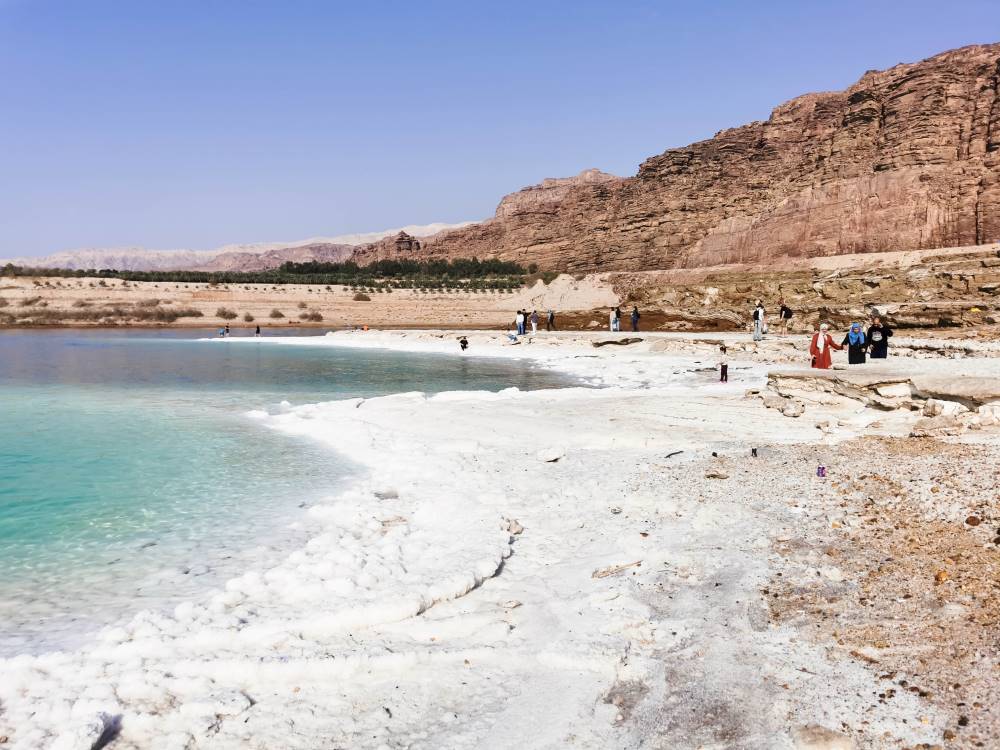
194 124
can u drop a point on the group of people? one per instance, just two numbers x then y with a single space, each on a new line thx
523 319
759 317
860 343
224 332
615 319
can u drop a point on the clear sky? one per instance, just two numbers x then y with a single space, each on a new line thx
195 123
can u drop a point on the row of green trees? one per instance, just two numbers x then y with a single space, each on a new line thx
471 274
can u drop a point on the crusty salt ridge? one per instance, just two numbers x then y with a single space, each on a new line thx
626 611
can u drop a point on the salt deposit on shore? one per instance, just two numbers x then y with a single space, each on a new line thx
567 568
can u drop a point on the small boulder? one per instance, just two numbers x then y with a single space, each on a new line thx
550 455
514 527
793 409
936 408
774 401
937 427
989 414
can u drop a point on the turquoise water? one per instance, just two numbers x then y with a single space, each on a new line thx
131 476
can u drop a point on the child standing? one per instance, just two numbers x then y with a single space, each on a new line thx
723 365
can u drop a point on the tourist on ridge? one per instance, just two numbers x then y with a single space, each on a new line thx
856 344
759 323
785 316
635 319
723 364
878 339
550 321
534 321
822 343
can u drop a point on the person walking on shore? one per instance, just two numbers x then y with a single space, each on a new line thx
612 321
878 339
550 321
758 322
257 332
635 319
519 321
618 318
856 344
785 316
534 321
723 364
227 329
819 348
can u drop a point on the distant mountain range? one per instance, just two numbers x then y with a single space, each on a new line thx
251 257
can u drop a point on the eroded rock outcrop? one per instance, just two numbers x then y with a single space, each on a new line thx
905 158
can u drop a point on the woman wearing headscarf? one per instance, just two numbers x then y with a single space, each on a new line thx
822 343
856 343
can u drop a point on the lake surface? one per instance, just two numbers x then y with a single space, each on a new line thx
132 477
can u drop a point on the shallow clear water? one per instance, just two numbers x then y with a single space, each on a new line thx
131 476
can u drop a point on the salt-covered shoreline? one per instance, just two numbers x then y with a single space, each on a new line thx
538 569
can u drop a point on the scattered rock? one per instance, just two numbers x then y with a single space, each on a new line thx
972 520
935 408
937 427
941 576
387 494
514 527
511 604
793 409
550 455
774 401
614 569
826 425
815 737
835 575
716 474
989 414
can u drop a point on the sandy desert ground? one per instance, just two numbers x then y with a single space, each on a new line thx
96 302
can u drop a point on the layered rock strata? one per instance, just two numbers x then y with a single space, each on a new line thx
905 158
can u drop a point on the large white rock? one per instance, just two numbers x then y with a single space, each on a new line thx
937 408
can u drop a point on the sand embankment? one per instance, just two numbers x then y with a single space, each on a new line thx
94 302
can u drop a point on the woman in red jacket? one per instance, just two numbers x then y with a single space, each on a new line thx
820 348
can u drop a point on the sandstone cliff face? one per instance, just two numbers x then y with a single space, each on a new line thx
905 158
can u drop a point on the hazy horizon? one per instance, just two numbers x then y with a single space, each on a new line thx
195 126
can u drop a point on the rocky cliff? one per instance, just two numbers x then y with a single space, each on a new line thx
905 158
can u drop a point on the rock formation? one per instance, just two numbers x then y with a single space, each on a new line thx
400 245
905 158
